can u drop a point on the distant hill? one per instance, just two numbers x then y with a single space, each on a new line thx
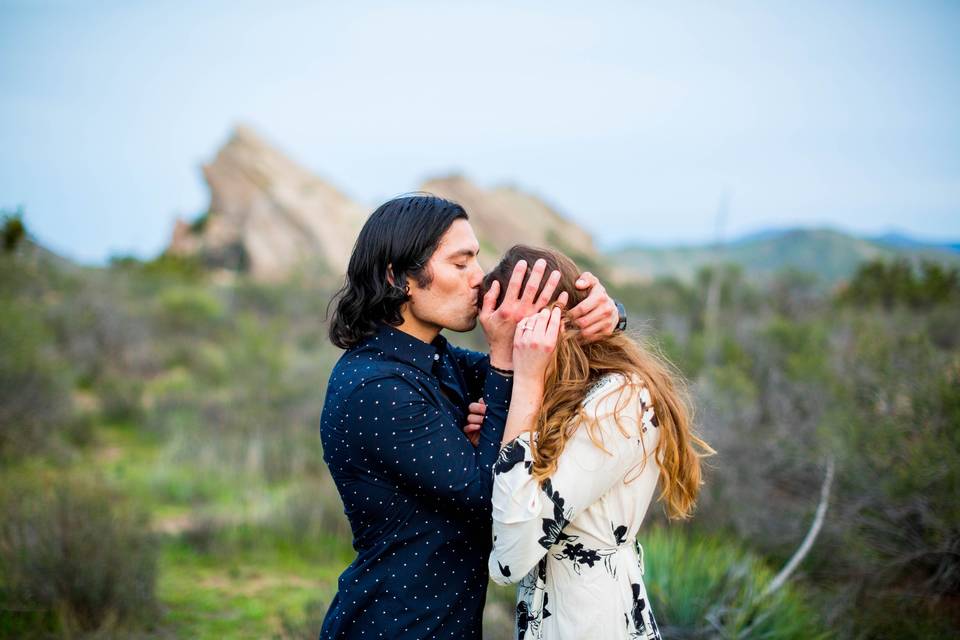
829 254
904 241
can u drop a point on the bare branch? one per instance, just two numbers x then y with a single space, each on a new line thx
804 548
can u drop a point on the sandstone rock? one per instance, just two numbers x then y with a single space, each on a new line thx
505 216
268 216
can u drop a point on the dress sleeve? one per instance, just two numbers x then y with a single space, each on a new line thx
421 448
529 517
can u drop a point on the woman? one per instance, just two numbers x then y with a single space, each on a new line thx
578 469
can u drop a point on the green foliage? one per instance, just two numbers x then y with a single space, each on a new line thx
34 392
120 398
199 401
305 628
167 267
12 230
191 309
705 587
899 283
73 558
198 225
896 434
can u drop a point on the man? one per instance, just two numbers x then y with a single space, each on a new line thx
416 491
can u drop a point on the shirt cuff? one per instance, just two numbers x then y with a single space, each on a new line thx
497 389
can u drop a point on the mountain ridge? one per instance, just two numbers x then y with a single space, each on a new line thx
829 253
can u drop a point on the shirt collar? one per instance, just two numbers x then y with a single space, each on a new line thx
404 347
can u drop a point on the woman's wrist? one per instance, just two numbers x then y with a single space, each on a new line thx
528 387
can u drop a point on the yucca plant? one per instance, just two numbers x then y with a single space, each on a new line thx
707 587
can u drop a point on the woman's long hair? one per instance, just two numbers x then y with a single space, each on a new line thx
576 366
399 237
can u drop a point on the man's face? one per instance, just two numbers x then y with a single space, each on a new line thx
450 300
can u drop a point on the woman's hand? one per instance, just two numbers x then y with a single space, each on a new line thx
534 343
500 323
478 410
533 346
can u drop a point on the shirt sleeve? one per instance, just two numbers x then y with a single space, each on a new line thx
474 366
529 517
421 448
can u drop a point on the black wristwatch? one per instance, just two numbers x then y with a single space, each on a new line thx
622 322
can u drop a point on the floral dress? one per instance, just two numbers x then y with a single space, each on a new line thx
570 542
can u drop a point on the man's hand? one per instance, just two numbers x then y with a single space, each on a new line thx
597 314
500 324
478 410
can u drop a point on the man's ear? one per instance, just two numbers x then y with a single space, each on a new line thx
393 282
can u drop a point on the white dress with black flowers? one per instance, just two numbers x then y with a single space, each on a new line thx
571 543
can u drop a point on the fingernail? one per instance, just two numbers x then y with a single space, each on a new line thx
581 282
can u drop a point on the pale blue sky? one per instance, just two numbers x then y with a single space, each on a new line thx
632 118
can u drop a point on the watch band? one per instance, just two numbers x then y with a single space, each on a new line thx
622 322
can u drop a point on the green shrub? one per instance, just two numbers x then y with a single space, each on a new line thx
313 511
190 309
12 229
705 587
174 267
901 283
34 393
306 628
73 559
120 398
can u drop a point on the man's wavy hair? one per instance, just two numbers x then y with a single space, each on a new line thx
577 365
400 235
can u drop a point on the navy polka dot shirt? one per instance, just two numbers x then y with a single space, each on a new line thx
416 492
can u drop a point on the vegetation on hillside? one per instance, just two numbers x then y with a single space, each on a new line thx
162 475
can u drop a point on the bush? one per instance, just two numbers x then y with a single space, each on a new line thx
900 283
190 309
306 628
74 558
34 393
308 520
120 398
313 511
12 230
704 587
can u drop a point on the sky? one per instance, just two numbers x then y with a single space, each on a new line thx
641 121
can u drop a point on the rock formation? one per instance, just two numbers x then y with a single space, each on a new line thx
504 216
268 216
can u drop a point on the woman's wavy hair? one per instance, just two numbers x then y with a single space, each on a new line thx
577 365
400 235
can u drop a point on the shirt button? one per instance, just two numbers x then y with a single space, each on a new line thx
436 356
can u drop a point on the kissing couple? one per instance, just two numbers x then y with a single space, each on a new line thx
533 463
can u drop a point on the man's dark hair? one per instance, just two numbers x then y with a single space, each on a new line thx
403 233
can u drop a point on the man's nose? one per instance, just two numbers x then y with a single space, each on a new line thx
476 277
